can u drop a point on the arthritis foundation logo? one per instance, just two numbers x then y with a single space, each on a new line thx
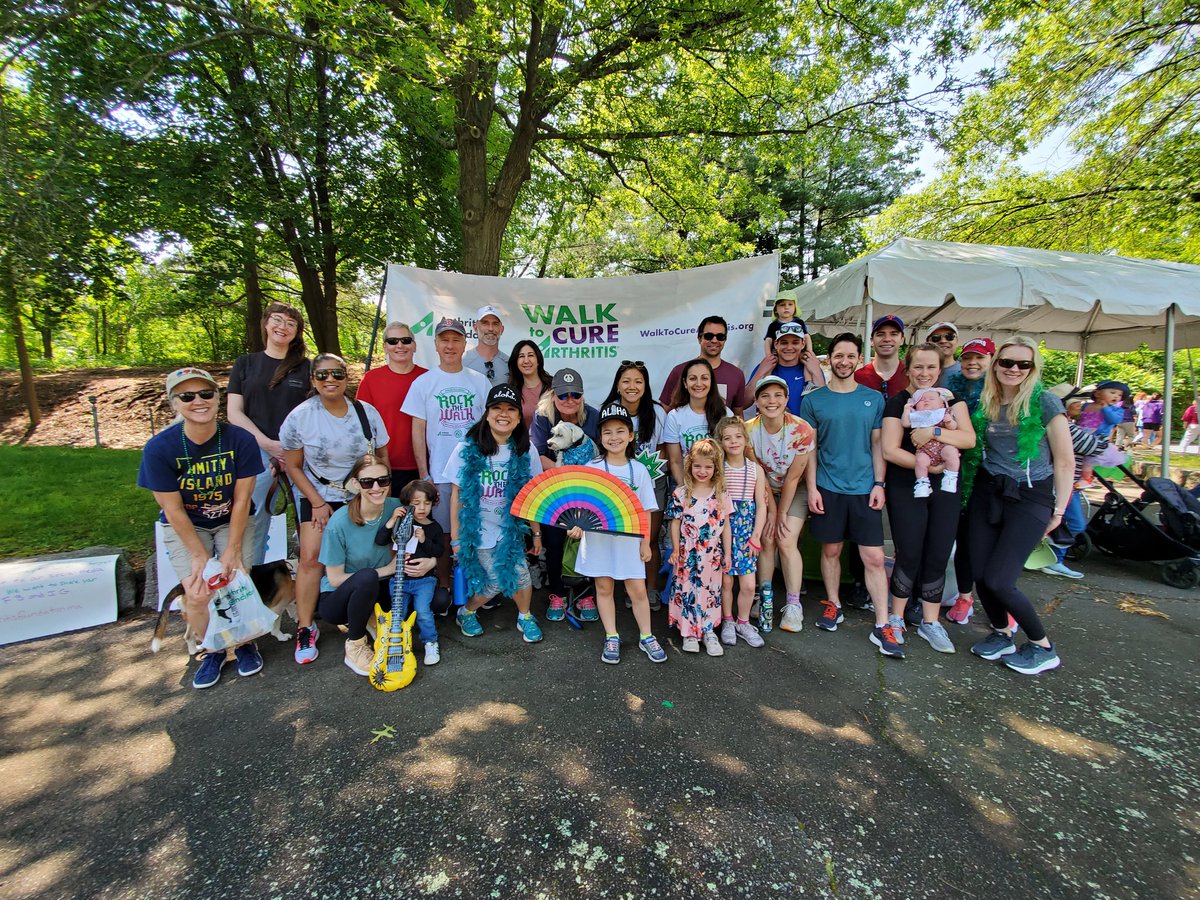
582 331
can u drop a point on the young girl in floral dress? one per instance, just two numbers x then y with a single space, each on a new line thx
746 484
700 513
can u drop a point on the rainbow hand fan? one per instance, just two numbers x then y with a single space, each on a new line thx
583 496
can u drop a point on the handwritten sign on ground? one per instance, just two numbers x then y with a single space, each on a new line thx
50 597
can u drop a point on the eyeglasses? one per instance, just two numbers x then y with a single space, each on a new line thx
189 396
570 395
1023 364
368 483
393 341
715 336
281 322
632 364
942 338
335 374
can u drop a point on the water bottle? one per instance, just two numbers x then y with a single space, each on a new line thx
460 587
766 609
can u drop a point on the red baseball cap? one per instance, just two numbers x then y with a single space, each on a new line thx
982 346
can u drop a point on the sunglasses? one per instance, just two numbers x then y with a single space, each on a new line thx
393 341
490 369
942 338
632 363
714 336
367 483
1023 364
189 396
570 395
335 374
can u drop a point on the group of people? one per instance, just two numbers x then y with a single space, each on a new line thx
958 447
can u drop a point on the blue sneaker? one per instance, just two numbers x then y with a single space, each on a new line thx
994 646
468 622
529 628
1032 659
653 649
209 672
249 660
612 650
884 637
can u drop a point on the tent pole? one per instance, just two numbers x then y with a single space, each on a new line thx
1080 364
1168 379
867 332
378 318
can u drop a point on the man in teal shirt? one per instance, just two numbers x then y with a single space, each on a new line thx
845 487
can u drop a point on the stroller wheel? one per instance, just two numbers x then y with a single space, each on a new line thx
1182 573
1082 548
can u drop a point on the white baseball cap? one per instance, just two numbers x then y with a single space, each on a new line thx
488 311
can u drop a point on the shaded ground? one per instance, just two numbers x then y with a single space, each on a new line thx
809 768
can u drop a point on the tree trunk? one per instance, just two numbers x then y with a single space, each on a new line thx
13 308
47 342
254 307
104 331
320 304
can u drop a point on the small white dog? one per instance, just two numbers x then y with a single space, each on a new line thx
570 445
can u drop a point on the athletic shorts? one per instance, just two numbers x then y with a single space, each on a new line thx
847 517
306 510
215 541
492 588
799 507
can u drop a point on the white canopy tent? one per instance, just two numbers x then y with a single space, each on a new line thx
1072 301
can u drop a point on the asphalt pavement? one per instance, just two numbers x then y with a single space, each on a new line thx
812 767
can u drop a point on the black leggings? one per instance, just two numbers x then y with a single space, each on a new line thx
923 531
1007 520
353 602
554 540
962 556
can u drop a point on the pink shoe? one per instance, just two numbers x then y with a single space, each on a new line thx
558 608
1012 623
962 610
587 610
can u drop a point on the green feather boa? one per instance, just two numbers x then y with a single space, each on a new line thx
1030 432
509 554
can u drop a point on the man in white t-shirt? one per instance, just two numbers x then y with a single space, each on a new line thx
444 403
486 358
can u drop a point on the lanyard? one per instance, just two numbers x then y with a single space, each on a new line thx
609 471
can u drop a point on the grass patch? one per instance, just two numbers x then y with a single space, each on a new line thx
67 498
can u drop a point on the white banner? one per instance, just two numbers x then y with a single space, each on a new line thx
592 324
53 596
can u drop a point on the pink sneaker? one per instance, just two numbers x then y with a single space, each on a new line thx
558 608
587 610
1012 623
962 610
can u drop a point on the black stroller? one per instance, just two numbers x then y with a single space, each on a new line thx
1124 528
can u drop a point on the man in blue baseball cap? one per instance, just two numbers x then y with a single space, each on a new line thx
885 372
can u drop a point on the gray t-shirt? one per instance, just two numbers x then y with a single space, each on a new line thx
1000 445
472 360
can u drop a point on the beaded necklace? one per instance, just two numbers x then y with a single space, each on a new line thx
188 457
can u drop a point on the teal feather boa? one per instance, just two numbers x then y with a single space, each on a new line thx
1030 431
510 551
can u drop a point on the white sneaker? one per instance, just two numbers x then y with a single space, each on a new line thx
749 634
691 645
728 633
433 655
950 482
922 488
793 618
712 646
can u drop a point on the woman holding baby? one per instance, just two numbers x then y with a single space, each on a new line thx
924 430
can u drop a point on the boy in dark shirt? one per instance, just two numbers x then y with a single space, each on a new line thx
420 558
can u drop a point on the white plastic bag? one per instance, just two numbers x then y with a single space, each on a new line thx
236 613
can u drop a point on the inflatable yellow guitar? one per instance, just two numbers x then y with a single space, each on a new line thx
394 665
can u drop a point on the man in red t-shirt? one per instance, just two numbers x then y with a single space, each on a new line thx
385 388
885 372
731 381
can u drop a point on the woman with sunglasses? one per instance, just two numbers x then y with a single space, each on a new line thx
263 388
322 439
631 389
564 402
695 409
923 523
202 475
1020 475
385 388
527 376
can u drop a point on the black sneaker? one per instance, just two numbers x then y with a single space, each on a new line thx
884 637
858 598
443 601
493 603
913 617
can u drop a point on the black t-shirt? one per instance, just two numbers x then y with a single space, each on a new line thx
898 477
430 548
267 407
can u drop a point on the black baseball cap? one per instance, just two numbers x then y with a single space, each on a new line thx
502 393
615 411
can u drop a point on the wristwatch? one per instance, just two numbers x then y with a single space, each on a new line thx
937 431
879 484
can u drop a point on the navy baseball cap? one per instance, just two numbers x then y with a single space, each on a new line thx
889 319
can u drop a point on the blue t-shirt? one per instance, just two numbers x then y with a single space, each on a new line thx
353 546
844 423
205 475
794 376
